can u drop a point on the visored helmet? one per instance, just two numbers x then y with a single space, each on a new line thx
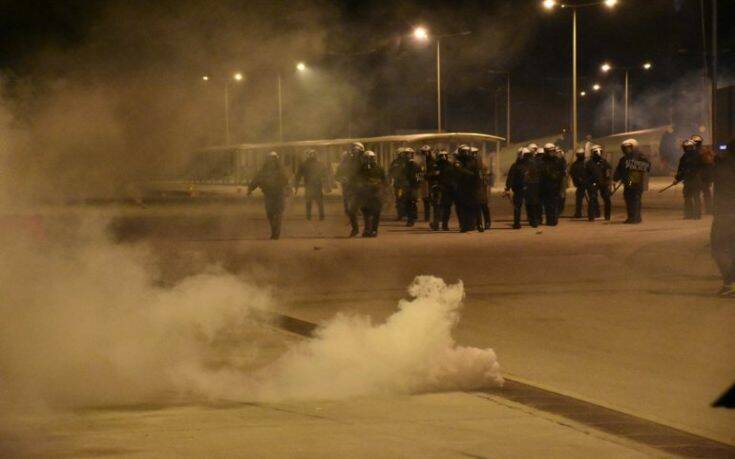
533 147
689 145
579 152
357 147
596 150
272 155
425 149
697 139
549 148
311 153
629 145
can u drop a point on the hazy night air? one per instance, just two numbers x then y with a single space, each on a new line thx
367 229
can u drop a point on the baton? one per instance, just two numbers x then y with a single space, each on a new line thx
676 182
615 189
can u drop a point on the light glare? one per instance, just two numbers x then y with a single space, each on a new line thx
301 67
420 33
596 87
237 76
205 78
647 66
549 4
611 3
606 67
583 93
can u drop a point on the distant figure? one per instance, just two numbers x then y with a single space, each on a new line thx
690 172
723 223
523 179
578 172
708 164
564 141
425 159
598 184
397 172
272 180
447 179
313 174
370 193
413 177
553 172
632 171
468 182
347 175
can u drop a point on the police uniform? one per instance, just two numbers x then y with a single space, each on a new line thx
690 172
632 170
272 180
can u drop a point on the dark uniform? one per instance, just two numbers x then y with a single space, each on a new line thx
448 179
313 174
707 174
524 180
564 183
347 175
468 184
425 191
632 170
598 185
372 183
690 172
412 183
272 180
723 223
553 171
397 171
484 221
434 182
578 173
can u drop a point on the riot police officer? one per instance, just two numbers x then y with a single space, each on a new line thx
707 157
412 183
598 183
552 179
347 175
313 174
434 173
448 179
632 171
690 172
272 180
562 160
524 179
484 220
424 161
370 193
578 173
397 171
468 182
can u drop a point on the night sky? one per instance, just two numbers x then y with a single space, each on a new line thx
367 46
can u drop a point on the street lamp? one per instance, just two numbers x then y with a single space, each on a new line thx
422 34
583 93
596 87
238 77
549 5
301 68
607 68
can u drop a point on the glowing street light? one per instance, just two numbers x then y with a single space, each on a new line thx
237 76
420 33
583 93
647 66
550 5
205 78
596 87
606 67
301 67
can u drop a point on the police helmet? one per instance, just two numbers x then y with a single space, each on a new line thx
697 139
533 147
311 153
273 155
549 148
370 155
689 144
596 150
633 143
580 152
425 149
357 146
524 151
443 154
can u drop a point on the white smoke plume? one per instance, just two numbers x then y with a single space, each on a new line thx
84 323
413 351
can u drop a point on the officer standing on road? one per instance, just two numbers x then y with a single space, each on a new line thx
708 163
690 172
413 176
598 176
372 185
523 179
425 160
272 180
313 173
723 223
448 179
632 171
578 173
562 160
484 220
397 171
552 179
347 174
468 183
433 178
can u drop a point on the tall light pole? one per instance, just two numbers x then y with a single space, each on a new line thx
237 77
507 104
550 5
422 34
301 67
607 68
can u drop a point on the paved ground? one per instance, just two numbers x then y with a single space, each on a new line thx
621 316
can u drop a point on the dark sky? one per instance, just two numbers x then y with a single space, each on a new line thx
366 45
